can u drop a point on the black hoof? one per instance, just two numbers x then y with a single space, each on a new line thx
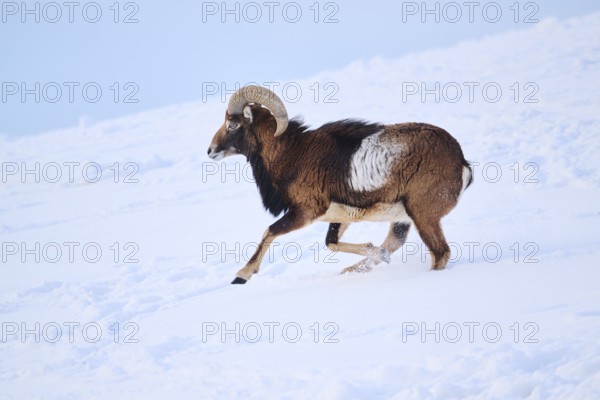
386 256
238 281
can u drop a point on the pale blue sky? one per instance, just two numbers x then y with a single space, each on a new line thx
176 46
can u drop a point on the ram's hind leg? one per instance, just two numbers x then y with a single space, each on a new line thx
395 239
396 236
431 232
335 232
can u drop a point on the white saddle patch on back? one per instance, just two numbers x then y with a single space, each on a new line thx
372 163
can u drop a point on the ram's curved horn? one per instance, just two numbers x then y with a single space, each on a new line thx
263 96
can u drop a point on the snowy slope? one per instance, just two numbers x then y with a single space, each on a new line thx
515 315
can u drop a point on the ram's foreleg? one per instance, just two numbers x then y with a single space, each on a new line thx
291 221
335 232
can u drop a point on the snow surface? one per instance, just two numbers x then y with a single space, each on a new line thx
185 221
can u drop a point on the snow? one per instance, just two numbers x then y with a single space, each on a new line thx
173 227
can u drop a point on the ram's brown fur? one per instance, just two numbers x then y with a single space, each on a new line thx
304 172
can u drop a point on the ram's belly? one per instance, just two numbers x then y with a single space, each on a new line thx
379 212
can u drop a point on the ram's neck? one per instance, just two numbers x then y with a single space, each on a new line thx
274 160
272 192
280 154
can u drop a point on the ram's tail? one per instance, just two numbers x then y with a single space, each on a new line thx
467 176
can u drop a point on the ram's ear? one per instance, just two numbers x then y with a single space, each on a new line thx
248 113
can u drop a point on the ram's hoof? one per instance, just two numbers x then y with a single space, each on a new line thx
365 265
385 256
238 281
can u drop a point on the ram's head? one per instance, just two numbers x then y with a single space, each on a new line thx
248 107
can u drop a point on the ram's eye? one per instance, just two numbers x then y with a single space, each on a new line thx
233 126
